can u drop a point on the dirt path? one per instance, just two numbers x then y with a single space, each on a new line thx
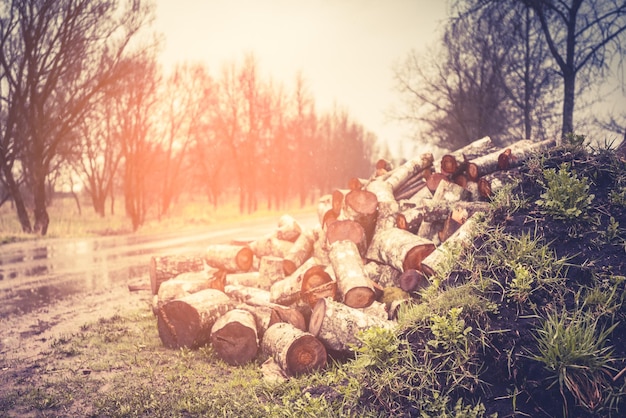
26 338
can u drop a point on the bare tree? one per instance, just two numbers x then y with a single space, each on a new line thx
55 56
582 35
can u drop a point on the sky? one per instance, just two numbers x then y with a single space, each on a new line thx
344 49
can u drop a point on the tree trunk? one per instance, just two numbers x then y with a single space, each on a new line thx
355 287
187 322
297 352
228 257
337 325
167 267
400 249
18 200
234 337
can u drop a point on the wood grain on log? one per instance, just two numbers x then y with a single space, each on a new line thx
400 249
338 325
165 268
297 352
229 257
361 206
412 280
234 337
287 291
187 322
316 284
355 287
347 229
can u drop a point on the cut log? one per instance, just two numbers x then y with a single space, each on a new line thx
271 270
409 169
338 195
361 206
324 204
462 238
187 283
387 204
270 245
430 231
248 279
301 250
510 157
287 291
165 268
409 192
187 322
356 183
234 337
383 274
453 162
400 249
347 230
412 281
288 228
338 325
450 192
317 283
355 287
449 227
297 352
264 317
433 181
229 257
247 294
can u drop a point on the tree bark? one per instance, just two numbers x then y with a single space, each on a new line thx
383 274
234 337
337 325
355 287
287 291
270 245
167 267
450 192
297 352
462 238
232 258
361 206
301 250
187 322
409 169
187 283
400 249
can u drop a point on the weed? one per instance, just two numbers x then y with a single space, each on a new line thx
566 196
573 348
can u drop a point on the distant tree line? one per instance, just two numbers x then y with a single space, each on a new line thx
511 69
82 96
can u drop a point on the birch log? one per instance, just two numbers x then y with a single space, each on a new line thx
234 337
187 283
400 249
317 283
299 252
229 257
288 228
338 325
187 322
355 287
165 268
409 169
347 229
296 351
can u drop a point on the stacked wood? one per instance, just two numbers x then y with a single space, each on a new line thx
164 268
187 322
304 291
229 257
234 337
338 325
296 351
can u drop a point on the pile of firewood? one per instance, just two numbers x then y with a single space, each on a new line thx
299 294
